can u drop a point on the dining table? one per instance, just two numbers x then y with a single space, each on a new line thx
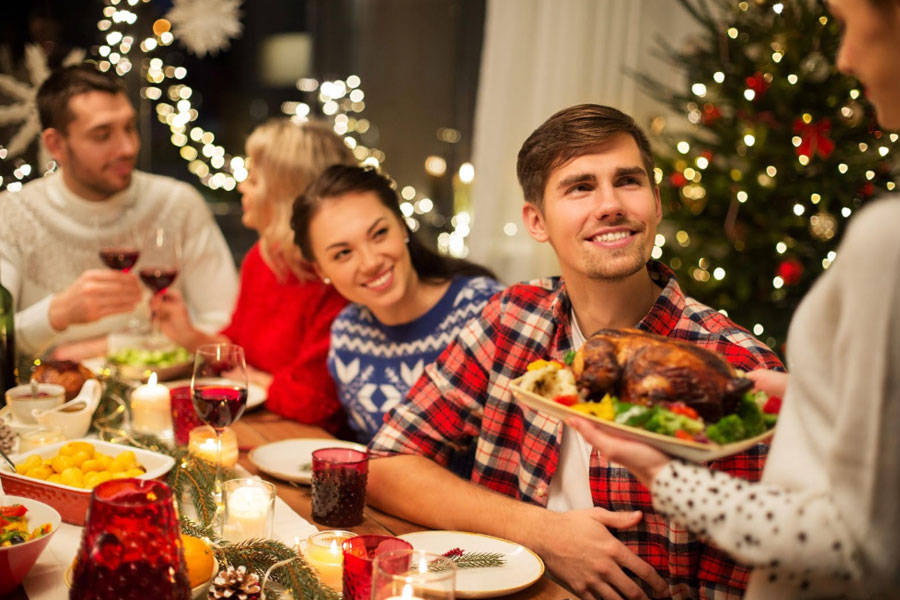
260 427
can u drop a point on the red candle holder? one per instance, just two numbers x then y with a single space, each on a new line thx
131 548
184 417
359 553
339 486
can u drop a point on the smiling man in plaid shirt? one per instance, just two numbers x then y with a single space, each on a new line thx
587 178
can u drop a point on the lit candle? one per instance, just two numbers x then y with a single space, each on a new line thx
323 552
202 443
249 509
151 411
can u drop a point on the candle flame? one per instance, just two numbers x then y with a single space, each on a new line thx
152 379
335 549
408 591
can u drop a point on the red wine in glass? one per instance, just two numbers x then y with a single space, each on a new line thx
219 405
121 259
158 280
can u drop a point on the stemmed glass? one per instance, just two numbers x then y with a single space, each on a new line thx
119 250
159 266
219 392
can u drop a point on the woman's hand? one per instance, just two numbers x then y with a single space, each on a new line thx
170 311
774 383
642 460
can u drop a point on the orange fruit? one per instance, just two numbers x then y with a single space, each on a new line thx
199 559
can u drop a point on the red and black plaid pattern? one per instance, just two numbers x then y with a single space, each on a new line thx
463 397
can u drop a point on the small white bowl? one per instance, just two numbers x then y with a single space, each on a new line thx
21 402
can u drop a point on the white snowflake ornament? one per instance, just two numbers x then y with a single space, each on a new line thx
24 108
205 26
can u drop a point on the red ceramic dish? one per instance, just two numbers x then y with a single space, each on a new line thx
71 502
17 560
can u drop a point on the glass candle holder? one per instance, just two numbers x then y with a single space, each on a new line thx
413 575
249 509
339 486
36 438
184 417
359 553
131 547
323 553
202 443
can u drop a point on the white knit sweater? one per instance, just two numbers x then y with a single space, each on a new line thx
825 519
48 236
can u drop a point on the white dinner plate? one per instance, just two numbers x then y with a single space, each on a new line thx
687 449
521 569
98 364
255 394
291 460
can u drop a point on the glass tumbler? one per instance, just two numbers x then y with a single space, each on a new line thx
359 552
339 486
131 547
413 574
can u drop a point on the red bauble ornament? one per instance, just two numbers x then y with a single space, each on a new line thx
814 137
677 179
790 271
867 189
711 114
758 84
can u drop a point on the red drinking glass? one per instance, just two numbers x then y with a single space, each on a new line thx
339 486
131 548
184 417
359 553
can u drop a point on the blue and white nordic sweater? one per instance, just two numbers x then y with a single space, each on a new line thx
375 365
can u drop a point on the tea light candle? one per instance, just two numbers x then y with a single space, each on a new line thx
202 443
151 411
36 438
249 509
323 552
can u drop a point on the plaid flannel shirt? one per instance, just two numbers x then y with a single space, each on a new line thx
463 398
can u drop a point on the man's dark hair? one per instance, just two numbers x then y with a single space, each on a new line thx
54 94
573 132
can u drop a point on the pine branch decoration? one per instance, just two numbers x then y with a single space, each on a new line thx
258 555
473 560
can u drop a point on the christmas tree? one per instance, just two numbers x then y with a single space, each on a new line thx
779 151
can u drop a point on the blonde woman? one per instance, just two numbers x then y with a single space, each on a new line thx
284 313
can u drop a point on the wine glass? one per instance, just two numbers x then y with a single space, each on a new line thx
413 575
119 250
159 267
219 392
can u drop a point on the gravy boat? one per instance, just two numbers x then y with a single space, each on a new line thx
73 418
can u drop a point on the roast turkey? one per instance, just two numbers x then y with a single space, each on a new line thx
643 368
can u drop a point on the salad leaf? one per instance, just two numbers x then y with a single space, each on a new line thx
726 430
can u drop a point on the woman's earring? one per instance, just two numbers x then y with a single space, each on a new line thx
406 240
326 281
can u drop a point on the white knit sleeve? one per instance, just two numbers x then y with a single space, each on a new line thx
794 537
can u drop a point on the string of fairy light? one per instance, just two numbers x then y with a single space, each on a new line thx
342 100
693 164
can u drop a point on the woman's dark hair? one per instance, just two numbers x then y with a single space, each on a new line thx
338 180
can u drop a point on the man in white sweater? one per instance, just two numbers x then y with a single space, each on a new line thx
52 230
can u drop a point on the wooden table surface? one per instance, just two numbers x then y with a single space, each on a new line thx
261 427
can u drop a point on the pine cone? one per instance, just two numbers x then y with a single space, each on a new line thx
7 438
235 583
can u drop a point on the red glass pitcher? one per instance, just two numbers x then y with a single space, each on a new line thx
131 548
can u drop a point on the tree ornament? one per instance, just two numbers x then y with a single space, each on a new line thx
205 26
790 271
852 113
25 110
235 583
866 190
677 179
7 437
823 226
757 82
814 138
711 113
815 66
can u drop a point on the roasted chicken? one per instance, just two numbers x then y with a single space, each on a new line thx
643 368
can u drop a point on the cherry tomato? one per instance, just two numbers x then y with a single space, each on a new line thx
567 400
681 434
16 510
772 405
681 409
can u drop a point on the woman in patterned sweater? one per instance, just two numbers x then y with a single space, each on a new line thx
407 302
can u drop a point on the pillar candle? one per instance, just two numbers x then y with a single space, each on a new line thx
151 411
